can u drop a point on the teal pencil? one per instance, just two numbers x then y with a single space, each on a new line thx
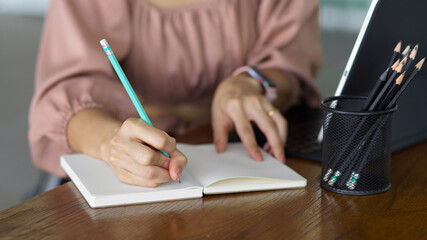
126 84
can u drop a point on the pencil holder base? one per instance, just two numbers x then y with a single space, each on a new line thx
358 192
356 147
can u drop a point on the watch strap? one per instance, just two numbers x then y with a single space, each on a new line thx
269 86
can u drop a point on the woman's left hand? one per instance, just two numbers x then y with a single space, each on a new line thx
238 100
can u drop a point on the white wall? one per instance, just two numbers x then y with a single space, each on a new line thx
27 7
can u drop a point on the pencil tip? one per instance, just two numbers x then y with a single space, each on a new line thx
398 46
401 64
406 49
400 78
420 64
394 66
414 52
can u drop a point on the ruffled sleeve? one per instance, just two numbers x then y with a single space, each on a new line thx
73 73
289 40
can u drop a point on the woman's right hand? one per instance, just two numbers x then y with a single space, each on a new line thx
132 152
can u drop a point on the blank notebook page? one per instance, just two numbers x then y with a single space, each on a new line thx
205 165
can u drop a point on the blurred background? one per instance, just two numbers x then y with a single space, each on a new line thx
21 23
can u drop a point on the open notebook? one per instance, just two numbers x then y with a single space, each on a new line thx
206 173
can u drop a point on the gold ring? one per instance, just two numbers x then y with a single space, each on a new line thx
272 112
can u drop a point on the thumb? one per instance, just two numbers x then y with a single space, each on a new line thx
177 163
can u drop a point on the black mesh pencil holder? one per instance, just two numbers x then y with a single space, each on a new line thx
356 147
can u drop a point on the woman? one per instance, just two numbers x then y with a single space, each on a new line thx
187 61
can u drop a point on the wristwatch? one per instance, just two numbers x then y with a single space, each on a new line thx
270 88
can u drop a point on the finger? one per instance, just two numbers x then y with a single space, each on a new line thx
257 111
220 129
177 164
246 133
282 125
150 135
125 161
149 173
146 156
269 128
131 178
267 147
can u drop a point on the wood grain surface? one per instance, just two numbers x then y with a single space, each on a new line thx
308 213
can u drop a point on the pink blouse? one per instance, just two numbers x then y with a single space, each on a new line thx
170 56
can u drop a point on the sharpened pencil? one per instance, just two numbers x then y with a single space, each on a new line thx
418 67
126 84
393 90
405 52
380 97
396 52
377 88
411 57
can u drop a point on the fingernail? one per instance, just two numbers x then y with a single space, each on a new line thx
258 157
178 173
219 147
282 158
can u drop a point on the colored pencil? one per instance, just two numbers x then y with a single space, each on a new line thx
126 84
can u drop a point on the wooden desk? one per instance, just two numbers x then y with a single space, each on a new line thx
308 213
